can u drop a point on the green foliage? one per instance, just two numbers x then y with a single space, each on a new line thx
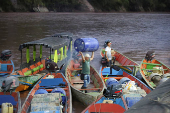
62 5
52 5
6 5
29 4
131 5
99 5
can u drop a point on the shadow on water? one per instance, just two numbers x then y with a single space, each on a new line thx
76 103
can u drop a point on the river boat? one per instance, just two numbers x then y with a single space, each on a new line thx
6 66
52 94
59 47
121 97
154 70
94 89
124 63
12 98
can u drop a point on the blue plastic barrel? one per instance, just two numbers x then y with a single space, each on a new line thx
60 90
124 80
41 91
111 81
86 44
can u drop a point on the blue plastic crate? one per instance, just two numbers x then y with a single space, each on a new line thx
132 100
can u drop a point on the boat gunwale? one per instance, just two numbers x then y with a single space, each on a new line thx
34 88
79 91
143 76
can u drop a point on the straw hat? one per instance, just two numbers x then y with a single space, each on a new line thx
87 55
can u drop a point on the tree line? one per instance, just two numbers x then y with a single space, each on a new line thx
99 5
131 5
52 5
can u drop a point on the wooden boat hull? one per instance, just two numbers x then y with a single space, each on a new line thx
98 106
146 67
84 98
60 43
132 78
26 106
16 96
121 60
28 81
124 63
89 97
7 67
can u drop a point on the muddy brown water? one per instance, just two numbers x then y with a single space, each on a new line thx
132 34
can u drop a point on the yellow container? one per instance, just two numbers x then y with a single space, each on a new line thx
108 101
7 108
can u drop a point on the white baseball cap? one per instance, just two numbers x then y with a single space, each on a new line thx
87 55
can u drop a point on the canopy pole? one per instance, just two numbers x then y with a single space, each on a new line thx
28 55
71 45
34 52
50 53
40 52
65 51
55 56
61 55
21 60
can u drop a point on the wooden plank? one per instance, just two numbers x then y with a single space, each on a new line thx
154 69
90 89
76 79
152 64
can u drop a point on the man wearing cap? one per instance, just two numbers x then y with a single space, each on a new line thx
108 55
85 73
149 56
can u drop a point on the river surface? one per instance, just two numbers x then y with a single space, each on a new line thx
132 34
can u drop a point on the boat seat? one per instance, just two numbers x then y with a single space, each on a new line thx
132 100
7 99
3 74
108 101
51 82
95 94
4 68
106 71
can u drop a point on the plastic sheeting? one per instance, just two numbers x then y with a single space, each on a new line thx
157 101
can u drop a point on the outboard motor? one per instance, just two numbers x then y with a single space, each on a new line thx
155 78
113 91
5 55
10 84
104 61
51 66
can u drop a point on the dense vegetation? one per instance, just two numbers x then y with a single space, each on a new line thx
52 5
6 6
99 5
131 5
